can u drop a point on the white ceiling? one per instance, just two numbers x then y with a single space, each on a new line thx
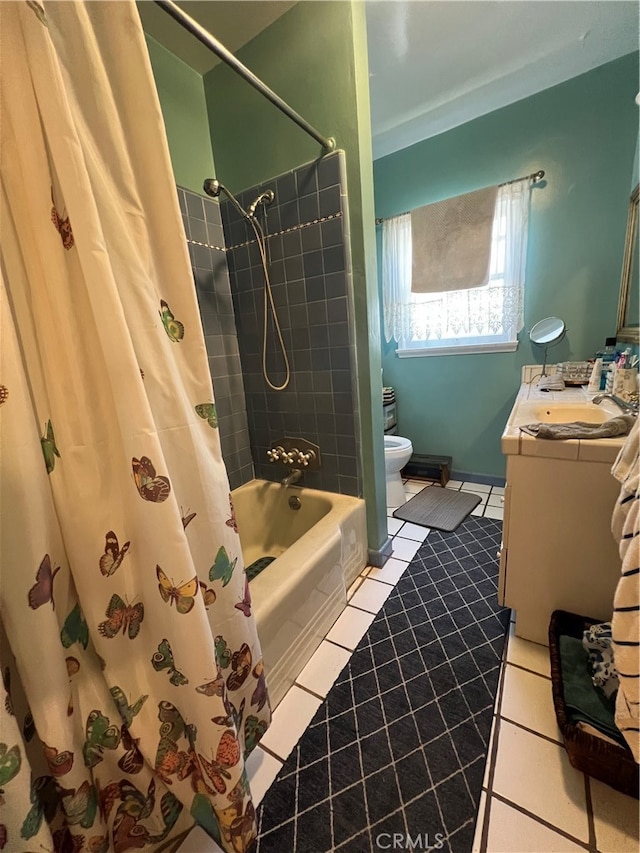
435 64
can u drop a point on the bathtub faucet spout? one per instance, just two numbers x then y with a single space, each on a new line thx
291 478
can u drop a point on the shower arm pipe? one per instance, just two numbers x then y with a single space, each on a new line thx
221 51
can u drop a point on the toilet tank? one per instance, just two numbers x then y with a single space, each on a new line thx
389 418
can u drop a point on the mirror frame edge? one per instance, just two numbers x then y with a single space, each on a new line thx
628 334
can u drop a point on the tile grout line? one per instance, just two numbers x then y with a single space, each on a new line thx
362 610
526 668
310 692
338 645
542 821
533 731
591 824
491 758
272 754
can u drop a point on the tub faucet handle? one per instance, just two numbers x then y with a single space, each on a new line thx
277 453
305 458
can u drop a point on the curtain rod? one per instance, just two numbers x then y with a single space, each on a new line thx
534 177
221 51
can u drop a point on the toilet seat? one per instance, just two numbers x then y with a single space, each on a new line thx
395 445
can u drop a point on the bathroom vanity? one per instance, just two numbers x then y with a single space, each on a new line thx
557 550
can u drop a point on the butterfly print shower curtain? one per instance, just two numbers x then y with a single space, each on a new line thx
134 686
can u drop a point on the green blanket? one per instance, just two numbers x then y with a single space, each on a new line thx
585 702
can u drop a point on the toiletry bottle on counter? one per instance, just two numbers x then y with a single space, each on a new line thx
594 379
625 379
608 355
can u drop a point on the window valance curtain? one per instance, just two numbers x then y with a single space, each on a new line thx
452 242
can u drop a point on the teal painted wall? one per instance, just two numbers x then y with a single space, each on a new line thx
583 134
184 109
315 58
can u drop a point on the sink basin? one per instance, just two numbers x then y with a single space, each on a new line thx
533 411
564 414
569 406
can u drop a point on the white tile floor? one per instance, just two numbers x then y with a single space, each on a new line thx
533 800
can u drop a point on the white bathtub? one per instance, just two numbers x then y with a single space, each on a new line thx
320 549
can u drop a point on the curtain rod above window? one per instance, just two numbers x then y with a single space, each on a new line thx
221 51
534 177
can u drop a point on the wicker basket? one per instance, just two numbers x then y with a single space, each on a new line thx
592 755
574 372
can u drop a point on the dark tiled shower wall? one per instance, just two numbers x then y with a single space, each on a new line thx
310 271
201 217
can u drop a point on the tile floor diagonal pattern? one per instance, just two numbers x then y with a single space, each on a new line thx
400 742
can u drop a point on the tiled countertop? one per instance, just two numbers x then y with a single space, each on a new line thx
514 441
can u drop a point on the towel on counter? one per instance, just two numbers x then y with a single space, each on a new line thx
451 242
620 425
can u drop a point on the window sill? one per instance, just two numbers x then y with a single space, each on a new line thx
463 349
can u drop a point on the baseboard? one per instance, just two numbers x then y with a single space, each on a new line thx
487 479
379 558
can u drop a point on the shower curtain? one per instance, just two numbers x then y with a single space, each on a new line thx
133 680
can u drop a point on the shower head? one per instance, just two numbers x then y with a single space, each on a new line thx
212 187
266 197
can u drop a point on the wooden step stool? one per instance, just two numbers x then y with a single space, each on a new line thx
430 467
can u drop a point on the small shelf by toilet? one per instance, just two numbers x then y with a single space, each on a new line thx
429 467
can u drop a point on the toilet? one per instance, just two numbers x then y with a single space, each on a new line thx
397 452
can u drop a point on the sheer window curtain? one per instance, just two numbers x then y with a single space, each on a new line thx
495 310
396 277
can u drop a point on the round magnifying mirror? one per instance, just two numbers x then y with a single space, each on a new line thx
547 331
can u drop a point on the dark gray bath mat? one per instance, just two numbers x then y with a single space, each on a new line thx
443 509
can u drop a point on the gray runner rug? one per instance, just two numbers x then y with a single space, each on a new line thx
398 747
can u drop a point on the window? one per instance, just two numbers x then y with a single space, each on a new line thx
480 319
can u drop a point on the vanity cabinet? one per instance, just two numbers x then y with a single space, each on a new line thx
557 550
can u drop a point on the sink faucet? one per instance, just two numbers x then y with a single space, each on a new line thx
630 407
291 478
